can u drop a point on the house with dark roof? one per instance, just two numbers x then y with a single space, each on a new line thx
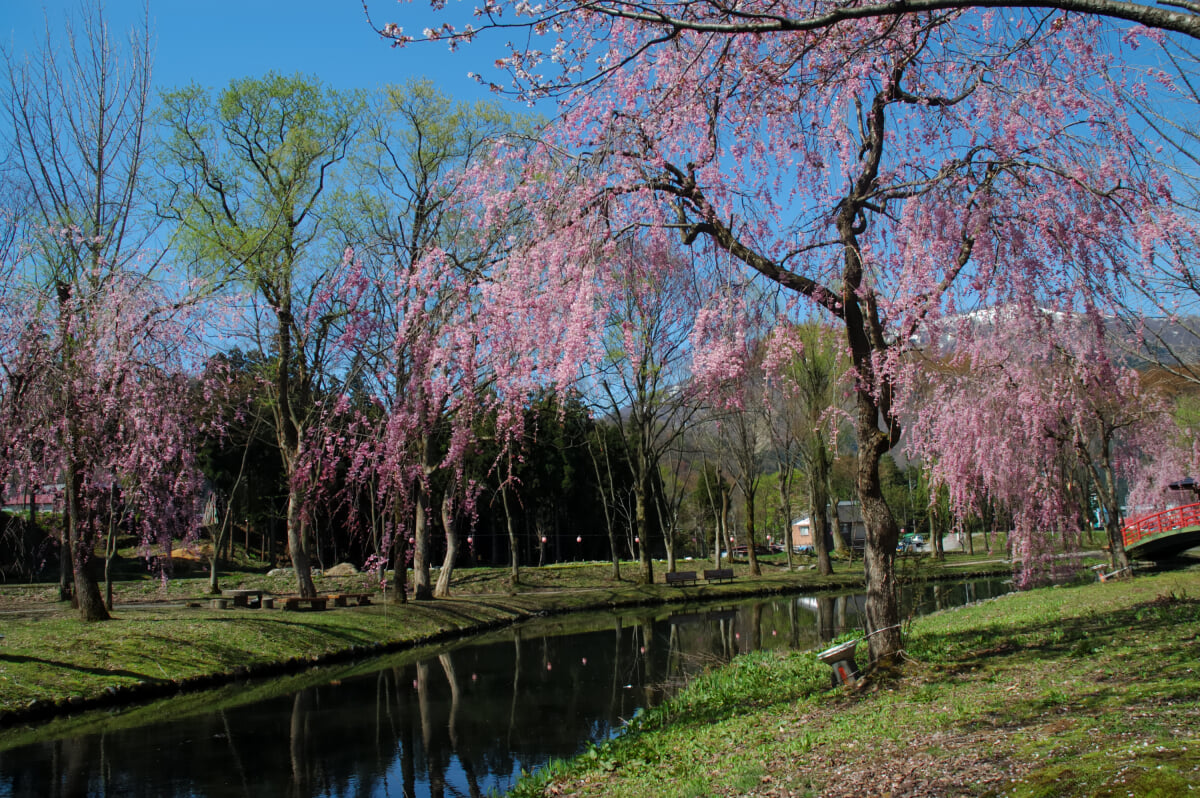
850 526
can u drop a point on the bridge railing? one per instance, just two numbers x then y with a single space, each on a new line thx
1165 521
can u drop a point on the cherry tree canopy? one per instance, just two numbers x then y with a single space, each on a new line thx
669 18
888 170
1025 399
91 382
415 339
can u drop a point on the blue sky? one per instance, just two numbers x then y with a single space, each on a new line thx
213 41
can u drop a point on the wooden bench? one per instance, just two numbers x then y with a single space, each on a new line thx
718 575
296 602
245 598
681 578
342 599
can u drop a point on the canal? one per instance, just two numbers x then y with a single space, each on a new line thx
460 720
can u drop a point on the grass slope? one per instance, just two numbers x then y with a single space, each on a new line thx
1085 691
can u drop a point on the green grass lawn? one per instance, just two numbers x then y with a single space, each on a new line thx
1085 690
1090 691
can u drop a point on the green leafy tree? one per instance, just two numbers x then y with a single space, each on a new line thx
245 176
812 396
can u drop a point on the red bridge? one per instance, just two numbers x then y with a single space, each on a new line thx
1163 535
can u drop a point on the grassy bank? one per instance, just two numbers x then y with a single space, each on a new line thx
1088 691
165 638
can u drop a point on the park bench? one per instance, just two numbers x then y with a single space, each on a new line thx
681 578
245 598
296 602
343 599
718 575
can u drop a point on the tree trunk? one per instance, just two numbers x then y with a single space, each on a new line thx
217 533
296 544
539 528
717 503
82 554
399 557
514 573
1106 489
840 544
606 504
879 554
755 570
1116 543
819 510
442 589
422 590
670 544
214 559
785 501
110 553
723 524
66 574
667 519
612 548
289 436
646 577
882 534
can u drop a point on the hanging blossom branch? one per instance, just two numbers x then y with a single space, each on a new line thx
666 21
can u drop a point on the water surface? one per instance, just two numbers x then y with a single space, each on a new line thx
462 720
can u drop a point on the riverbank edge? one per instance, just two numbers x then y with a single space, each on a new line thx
112 697
1088 707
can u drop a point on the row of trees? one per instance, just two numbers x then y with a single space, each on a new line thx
323 234
889 165
402 285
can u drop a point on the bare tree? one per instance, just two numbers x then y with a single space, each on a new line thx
649 396
76 115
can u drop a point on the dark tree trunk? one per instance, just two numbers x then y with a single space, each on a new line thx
751 533
646 576
514 572
84 563
819 520
785 501
400 561
882 607
289 437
